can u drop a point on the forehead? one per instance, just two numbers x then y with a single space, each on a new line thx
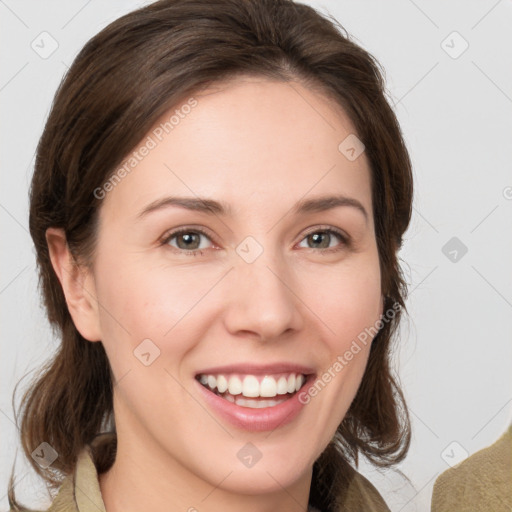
244 141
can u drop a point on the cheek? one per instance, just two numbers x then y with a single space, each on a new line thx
144 295
139 302
348 302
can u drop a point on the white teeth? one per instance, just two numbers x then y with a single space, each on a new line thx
268 387
212 381
291 383
260 404
298 382
235 386
222 383
250 386
282 386
230 398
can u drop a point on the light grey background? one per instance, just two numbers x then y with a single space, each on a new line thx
456 113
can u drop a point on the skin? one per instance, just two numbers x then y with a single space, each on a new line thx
260 146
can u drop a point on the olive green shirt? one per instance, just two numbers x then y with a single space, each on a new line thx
481 482
80 491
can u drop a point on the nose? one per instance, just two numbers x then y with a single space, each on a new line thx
264 300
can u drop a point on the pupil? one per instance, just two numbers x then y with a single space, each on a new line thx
188 239
316 236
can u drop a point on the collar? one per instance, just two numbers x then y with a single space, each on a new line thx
80 491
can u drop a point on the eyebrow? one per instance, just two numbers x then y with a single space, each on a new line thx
213 207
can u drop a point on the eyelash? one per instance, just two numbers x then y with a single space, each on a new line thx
345 240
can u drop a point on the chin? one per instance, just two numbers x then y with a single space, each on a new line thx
265 480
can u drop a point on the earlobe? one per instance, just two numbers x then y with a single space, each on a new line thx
77 285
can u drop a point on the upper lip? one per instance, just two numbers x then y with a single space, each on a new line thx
256 369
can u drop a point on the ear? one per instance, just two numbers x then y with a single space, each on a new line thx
77 284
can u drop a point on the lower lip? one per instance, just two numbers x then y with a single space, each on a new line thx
256 420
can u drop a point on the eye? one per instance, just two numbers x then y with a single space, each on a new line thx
188 240
322 238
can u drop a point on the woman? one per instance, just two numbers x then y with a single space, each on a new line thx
251 370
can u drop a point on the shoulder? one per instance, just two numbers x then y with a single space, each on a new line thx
362 495
80 490
481 480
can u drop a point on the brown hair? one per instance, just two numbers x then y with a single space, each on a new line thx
123 80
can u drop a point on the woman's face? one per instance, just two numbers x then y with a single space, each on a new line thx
246 296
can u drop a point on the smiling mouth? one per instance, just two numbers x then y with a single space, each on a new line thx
254 391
